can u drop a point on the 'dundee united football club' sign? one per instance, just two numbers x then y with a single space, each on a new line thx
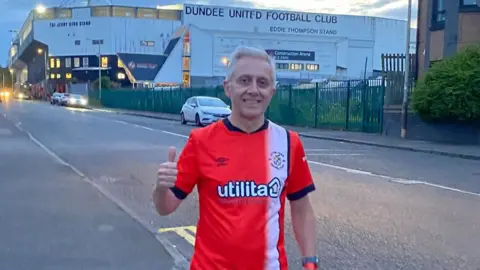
280 21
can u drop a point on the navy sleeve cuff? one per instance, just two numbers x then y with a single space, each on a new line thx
301 193
180 194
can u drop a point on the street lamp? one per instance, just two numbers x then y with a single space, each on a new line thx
403 132
40 8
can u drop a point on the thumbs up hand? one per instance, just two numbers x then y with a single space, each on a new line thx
167 172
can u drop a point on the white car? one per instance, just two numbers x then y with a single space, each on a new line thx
204 110
57 98
76 101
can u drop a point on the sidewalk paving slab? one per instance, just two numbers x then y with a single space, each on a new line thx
377 140
51 219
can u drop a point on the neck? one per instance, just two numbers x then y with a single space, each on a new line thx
247 125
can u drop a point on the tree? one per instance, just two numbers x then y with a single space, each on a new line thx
106 83
450 90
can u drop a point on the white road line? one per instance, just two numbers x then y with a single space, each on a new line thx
393 179
151 129
178 257
147 128
175 134
121 122
19 126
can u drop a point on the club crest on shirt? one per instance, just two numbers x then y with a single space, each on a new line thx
277 160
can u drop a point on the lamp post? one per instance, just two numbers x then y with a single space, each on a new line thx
403 132
11 74
45 62
99 69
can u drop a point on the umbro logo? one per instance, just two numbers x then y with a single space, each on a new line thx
221 161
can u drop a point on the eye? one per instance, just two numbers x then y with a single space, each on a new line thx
263 83
244 80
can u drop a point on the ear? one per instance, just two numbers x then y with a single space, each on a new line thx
226 88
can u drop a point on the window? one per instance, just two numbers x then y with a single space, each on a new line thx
312 67
68 75
294 66
97 42
76 62
186 63
123 12
48 14
120 63
470 5
121 76
101 11
59 76
52 62
147 43
186 48
438 15
77 42
52 76
470 2
104 62
85 61
147 13
64 13
186 81
68 62
282 66
165 14
58 62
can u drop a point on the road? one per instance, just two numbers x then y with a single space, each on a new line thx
376 208
51 219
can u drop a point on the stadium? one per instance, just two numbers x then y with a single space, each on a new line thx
189 45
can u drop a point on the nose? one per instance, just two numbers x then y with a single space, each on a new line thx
253 89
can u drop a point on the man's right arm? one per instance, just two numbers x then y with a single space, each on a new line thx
168 198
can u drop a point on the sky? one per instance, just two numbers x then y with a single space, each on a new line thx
14 12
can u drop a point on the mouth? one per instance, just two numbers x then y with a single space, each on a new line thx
251 101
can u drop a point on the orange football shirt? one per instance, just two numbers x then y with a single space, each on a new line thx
242 180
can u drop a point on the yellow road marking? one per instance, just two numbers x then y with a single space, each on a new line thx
182 232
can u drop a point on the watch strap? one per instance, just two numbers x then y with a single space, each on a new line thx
310 262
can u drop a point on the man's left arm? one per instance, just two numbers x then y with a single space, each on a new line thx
299 185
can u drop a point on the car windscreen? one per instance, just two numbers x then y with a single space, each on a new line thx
211 102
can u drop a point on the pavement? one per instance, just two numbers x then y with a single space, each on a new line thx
377 140
376 207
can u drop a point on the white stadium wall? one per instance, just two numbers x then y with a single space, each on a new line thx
201 51
171 71
335 41
119 34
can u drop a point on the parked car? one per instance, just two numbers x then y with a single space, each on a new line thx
4 95
204 110
57 98
22 95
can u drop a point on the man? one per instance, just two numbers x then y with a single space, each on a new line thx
244 167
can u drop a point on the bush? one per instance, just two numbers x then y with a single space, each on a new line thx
450 90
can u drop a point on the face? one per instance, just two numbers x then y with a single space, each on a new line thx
250 88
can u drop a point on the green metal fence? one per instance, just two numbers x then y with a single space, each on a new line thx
355 105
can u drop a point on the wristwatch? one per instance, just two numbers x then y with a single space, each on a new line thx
310 263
